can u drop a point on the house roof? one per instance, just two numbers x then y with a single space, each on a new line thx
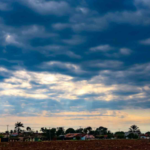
71 135
146 135
89 137
14 134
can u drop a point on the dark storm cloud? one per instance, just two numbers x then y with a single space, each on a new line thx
101 42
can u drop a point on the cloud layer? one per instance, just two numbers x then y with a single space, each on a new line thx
75 60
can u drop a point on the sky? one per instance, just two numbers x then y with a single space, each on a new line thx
75 63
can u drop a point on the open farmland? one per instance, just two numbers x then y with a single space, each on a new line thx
79 145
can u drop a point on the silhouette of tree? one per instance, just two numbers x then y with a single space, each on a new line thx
18 126
60 131
148 133
120 134
101 130
11 131
70 130
87 130
134 129
80 130
53 133
43 129
133 136
28 129
49 133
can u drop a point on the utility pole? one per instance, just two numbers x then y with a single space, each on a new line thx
7 130
49 134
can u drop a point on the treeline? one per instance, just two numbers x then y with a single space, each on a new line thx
100 132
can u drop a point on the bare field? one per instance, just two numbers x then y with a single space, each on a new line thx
79 145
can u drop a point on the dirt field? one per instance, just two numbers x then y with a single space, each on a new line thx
79 145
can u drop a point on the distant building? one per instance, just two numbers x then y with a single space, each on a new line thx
144 136
127 133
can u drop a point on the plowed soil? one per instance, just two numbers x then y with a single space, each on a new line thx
79 145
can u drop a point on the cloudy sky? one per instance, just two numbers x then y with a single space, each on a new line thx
75 63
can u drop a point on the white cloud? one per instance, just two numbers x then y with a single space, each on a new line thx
10 39
4 6
106 64
100 23
76 40
82 9
56 50
103 48
33 30
60 26
145 42
62 86
36 31
72 55
3 69
59 87
125 51
49 7
145 3
69 66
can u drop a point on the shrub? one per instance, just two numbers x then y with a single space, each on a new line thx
1 136
132 136
78 138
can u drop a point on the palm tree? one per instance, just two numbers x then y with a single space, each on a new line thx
19 125
43 130
134 129
28 129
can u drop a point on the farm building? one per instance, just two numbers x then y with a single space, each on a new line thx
88 137
144 136
70 136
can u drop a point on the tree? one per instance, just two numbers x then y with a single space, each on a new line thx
11 131
28 129
120 134
70 130
49 133
18 126
53 133
60 131
43 129
80 130
134 129
148 133
89 129
132 136
85 130
110 135
101 130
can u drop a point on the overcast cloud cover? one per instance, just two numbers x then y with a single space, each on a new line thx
79 61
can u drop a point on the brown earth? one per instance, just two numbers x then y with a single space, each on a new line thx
79 145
